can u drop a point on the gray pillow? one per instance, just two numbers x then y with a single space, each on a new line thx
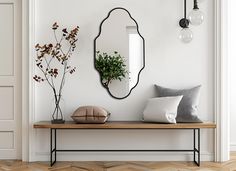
188 106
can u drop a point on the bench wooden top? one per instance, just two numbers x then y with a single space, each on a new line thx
124 125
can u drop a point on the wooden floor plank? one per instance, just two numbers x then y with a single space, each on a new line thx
8 165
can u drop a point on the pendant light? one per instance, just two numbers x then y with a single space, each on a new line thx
186 35
196 16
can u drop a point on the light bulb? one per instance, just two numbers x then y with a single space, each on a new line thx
186 35
196 17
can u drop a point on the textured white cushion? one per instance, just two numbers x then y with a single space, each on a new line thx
162 109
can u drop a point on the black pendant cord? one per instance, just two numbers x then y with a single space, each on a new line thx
195 6
185 15
184 22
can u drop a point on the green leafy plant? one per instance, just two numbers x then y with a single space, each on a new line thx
111 67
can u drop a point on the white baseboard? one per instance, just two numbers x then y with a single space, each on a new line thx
124 156
233 147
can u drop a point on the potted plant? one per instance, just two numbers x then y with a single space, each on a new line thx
52 60
111 67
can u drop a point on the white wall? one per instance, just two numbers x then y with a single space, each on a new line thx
232 54
168 63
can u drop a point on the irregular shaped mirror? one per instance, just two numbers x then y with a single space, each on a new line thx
119 53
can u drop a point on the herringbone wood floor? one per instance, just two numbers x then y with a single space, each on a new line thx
118 166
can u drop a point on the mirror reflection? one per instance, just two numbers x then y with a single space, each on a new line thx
119 53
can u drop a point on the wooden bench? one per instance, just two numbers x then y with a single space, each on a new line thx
124 125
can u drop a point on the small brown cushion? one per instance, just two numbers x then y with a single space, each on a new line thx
90 114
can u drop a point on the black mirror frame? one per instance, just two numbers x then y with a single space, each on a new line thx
100 30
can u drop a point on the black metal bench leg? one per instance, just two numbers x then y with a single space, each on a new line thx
198 146
194 145
196 150
53 141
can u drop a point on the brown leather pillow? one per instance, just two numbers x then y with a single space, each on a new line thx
90 114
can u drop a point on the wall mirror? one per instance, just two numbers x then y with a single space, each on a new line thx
119 53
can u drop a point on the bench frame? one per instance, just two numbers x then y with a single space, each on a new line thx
125 125
196 146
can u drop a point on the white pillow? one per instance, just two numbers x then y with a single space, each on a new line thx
162 109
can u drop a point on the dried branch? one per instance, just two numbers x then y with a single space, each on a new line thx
48 53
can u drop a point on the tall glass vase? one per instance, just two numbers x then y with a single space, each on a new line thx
57 115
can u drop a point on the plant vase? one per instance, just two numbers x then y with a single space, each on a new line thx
52 59
57 116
